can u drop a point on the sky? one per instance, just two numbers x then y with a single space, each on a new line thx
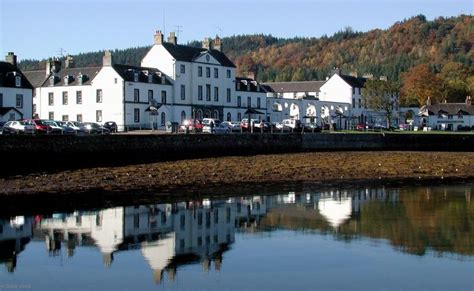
36 29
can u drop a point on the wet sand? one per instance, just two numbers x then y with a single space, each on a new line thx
320 168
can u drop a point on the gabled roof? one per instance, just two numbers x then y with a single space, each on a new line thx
7 76
36 78
355 82
127 73
189 54
447 108
244 82
294 87
5 110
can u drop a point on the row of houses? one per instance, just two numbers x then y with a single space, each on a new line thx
175 82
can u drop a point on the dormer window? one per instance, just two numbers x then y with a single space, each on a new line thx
67 80
18 81
150 78
51 80
135 77
80 79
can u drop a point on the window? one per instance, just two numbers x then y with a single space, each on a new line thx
136 95
19 101
228 95
51 115
216 93
199 71
135 77
98 96
183 92
136 115
239 116
65 98
216 73
136 220
65 117
50 98
216 216
353 103
199 92
249 101
258 102
163 97
239 101
208 72
183 115
208 92
51 81
199 241
18 81
360 103
182 221
150 95
199 219
359 89
228 73
78 97
12 117
229 117
79 117
98 115
353 90
163 119
34 108
182 69
150 78
115 80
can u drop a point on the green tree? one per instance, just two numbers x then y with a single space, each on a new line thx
381 96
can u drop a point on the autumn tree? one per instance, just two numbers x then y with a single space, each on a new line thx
382 96
419 84
454 77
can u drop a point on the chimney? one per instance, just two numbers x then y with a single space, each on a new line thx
11 58
69 62
428 101
354 73
107 59
206 43
468 100
251 75
172 38
53 66
218 43
335 70
368 76
158 37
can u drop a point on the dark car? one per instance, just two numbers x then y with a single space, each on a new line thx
111 126
311 127
94 128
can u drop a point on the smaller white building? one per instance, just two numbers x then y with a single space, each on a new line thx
16 101
448 116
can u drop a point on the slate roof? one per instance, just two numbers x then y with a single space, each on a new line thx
189 54
290 87
36 78
253 85
353 81
127 73
447 108
7 76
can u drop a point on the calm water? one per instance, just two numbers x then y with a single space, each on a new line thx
363 239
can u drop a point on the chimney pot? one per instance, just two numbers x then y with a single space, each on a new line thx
218 43
107 59
158 37
11 58
172 38
69 62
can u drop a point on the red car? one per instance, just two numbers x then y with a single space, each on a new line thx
193 125
360 126
43 126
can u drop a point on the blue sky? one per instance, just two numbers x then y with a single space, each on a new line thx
38 29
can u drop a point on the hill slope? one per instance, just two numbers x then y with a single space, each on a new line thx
379 52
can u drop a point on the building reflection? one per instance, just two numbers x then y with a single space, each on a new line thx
171 235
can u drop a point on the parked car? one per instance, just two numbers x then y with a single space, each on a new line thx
293 124
65 128
193 125
233 125
360 126
266 126
43 126
312 127
244 124
14 127
111 126
94 128
76 126
218 128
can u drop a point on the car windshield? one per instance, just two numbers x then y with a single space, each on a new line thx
50 123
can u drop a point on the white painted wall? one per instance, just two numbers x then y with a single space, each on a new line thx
9 99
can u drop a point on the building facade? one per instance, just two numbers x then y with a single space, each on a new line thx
447 116
16 92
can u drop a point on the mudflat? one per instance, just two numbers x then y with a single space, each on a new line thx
320 167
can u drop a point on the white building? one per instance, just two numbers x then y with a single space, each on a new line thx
16 91
204 80
448 116
113 92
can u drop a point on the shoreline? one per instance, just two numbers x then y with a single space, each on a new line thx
319 168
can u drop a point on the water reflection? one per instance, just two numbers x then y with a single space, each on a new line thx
170 235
